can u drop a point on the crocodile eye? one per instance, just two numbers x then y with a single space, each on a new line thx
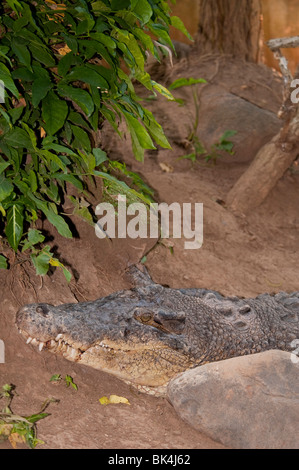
43 310
145 317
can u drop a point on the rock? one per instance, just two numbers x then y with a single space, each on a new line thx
244 403
222 111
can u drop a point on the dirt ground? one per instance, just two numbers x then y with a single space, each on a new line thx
242 256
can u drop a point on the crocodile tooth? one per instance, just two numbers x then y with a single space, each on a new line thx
29 340
41 345
58 336
34 341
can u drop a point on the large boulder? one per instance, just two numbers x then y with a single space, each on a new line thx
245 402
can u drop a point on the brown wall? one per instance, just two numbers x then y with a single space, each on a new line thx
281 18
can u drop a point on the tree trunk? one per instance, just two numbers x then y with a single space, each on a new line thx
269 165
230 27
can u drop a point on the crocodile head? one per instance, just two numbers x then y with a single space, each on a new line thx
150 333
124 334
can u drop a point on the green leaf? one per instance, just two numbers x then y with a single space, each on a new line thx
185 82
155 129
6 187
18 138
104 39
2 54
100 156
22 73
15 113
55 378
99 6
120 4
7 79
3 262
14 225
163 91
41 262
143 10
160 31
74 180
20 23
33 180
6 116
54 112
88 75
81 97
53 218
31 134
128 39
70 381
33 238
41 54
40 88
83 141
60 149
52 157
178 24
66 62
139 136
81 209
58 222
227 134
22 52
3 166
15 5
36 417
145 39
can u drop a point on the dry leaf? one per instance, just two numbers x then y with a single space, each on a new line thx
117 399
166 167
15 439
64 50
113 399
5 430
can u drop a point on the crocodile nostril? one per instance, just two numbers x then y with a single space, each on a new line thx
43 310
245 309
223 310
241 324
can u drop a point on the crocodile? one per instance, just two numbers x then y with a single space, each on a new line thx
148 334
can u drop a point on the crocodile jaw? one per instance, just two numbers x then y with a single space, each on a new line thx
148 367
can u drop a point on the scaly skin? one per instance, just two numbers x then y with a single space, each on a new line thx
148 334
